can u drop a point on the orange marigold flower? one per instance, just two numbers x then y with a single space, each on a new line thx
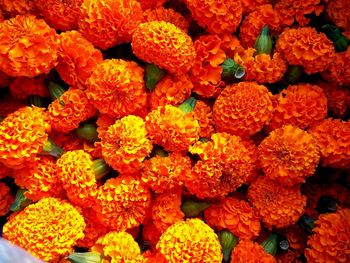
330 239
122 202
67 141
243 109
276 205
172 128
125 144
167 15
289 155
155 257
109 23
221 17
23 87
28 46
290 256
299 105
5 171
6 199
18 7
40 179
166 173
75 169
77 58
66 113
203 114
116 88
103 122
170 90
230 45
333 138
250 5
23 135
48 229
262 68
339 12
165 45
306 47
235 215
254 155
151 234
247 251
190 239
151 4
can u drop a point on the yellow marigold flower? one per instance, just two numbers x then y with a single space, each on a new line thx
77 58
243 109
306 47
6 199
125 144
330 239
289 155
190 239
18 7
333 139
165 173
163 44
122 203
116 88
149 4
247 251
23 134
48 229
203 114
28 46
75 169
108 23
216 17
275 204
339 12
172 128
21 88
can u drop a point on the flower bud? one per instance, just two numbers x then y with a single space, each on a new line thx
228 241
263 44
192 208
188 105
231 69
88 132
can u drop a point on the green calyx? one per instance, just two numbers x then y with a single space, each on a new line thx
294 73
340 41
100 168
232 70
153 75
50 148
35 100
228 241
188 105
56 91
87 257
88 132
270 245
161 153
263 44
193 209
21 201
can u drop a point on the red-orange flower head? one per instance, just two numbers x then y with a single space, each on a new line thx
339 71
203 114
151 4
248 251
23 87
60 14
6 199
166 173
235 215
75 169
330 239
276 205
289 155
339 12
28 46
5 171
12 8
125 144
77 58
165 45
109 23
172 128
251 5
299 105
306 47
333 138
170 90
48 229
122 203
116 88
243 109
216 17
23 135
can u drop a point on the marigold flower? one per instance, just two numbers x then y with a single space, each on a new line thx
167 15
151 4
67 141
166 173
296 237
28 46
21 144
13 8
190 239
330 239
48 229
290 256
250 5
203 114
155 257
172 128
151 234
116 88
243 109
276 205
23 87
5 171
235 215
109 23
306 47
339 12
6 199
333 138
125 144
299 105
164 45
248 251
122 203
77 58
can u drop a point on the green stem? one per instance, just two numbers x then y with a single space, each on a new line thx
231 69
193 209
21 201
188 105
270 244
263 44
340 41
100 168
228 241
88 132
50 148
153 75
87 257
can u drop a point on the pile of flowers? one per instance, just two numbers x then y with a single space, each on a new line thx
148 131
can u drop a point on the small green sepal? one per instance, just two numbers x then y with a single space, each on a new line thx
153 75
231 69
270 245
188 105
50 148
228 241
21 201
193 209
